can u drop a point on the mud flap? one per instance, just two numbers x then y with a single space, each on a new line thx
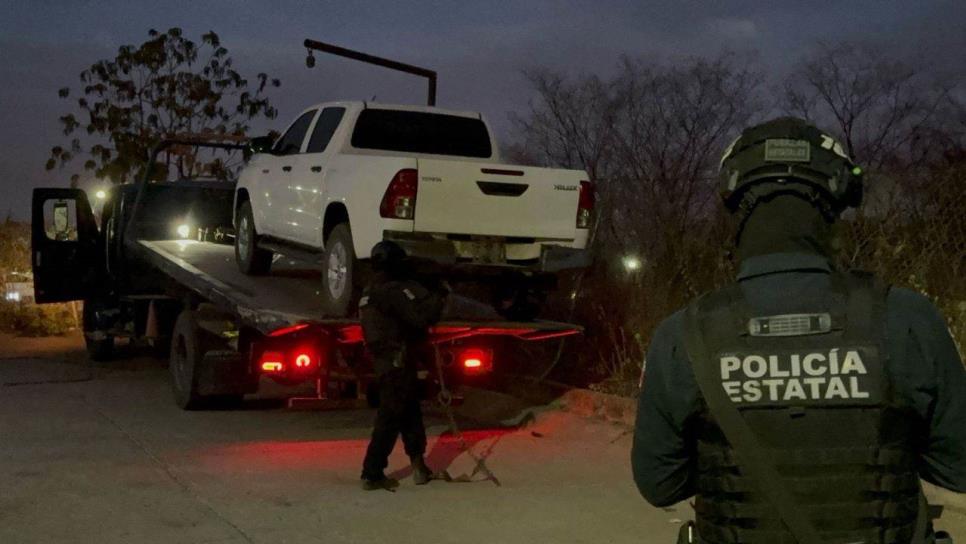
225 372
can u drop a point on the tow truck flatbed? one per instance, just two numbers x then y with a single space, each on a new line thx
290 295
141 279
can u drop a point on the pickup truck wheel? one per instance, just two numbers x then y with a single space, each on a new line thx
250 258
339 265
188 346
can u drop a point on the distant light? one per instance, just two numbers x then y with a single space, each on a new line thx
184 231
857 171
101 194
13 296
631 263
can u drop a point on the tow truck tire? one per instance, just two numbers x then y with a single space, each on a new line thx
188 347
250 258
340 292
100 349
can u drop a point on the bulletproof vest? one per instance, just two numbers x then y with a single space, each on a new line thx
814 389
388 339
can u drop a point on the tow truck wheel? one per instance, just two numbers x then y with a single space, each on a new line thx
100 345
100 349
251 260
339 291
188 346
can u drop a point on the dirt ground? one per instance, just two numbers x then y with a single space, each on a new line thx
101 454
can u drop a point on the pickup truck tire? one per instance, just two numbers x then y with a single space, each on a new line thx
189 343
340 292
250 258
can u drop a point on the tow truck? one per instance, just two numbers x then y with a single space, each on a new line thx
158 267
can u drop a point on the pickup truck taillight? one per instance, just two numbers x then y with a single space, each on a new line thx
399 202
585 205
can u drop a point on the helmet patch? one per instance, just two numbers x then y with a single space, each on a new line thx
784 150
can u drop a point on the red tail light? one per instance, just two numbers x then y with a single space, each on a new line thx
585 205
399 202
476 361
303 359
290 329
271 362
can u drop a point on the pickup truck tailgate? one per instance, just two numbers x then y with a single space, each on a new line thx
488 199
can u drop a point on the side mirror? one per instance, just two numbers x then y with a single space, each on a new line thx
261 144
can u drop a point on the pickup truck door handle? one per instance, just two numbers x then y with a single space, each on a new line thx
286 168
265 170
316 169
493 188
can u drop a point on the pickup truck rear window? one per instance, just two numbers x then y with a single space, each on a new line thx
420 132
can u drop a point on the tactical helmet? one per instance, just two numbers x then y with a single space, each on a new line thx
386 256
789 155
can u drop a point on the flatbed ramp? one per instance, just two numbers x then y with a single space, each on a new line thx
290 294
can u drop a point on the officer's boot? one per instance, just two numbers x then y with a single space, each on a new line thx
385 482
421 473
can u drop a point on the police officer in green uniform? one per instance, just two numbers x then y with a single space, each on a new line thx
396 312
801 403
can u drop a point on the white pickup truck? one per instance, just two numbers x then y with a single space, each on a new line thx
346 175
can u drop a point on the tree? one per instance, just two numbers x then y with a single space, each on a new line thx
167 86
650 137
880 107
571 124
907 132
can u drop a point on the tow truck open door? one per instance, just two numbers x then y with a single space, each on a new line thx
63 245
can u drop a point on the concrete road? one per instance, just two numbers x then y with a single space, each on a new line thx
111 459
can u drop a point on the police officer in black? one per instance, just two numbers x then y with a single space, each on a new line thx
801 403
396 313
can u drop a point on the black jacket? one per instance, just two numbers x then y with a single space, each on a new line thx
396 316
922 357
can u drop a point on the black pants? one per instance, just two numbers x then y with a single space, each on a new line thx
398 413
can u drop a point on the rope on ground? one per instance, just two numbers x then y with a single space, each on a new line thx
445 399
563 340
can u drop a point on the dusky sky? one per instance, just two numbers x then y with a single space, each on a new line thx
479 48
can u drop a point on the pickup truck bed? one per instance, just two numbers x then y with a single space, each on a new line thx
290 295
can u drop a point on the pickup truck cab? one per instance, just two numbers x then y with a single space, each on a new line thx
347 175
